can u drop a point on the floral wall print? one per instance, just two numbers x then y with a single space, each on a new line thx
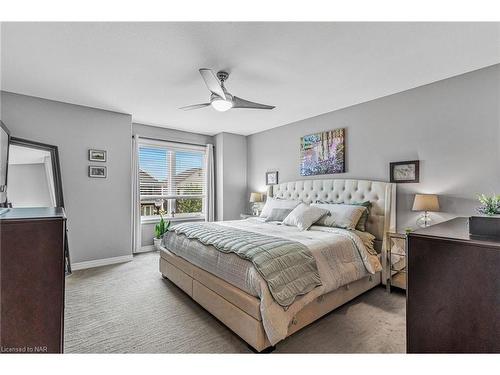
323 153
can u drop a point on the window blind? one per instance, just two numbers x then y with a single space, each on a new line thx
172 178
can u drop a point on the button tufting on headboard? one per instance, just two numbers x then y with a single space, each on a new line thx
382 195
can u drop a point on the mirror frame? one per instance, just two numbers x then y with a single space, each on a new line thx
9 137
58 191
54 158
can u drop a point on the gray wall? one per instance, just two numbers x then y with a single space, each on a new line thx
219 177
28 185
230 176
172 135
98 210
451 126
167 135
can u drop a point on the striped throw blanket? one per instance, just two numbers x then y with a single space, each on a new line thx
288 267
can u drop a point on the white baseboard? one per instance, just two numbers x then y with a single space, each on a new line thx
145 249
100 262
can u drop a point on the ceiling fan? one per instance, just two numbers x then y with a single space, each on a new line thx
221 100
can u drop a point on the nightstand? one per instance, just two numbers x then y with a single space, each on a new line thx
246 216
396 261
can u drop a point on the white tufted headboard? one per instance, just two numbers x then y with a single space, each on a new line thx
382 217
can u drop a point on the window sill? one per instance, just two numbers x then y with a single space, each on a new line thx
154 220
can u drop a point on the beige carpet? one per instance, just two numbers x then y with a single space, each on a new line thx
130 308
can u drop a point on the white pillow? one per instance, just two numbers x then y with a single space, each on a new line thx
303 216
344 216
277 203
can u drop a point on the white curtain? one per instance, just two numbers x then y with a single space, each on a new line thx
209 168
136 197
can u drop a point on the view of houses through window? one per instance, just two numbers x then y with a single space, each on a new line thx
172 179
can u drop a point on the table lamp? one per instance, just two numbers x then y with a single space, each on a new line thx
425 203
255 198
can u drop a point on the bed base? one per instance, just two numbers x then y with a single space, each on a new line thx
240 311
267 350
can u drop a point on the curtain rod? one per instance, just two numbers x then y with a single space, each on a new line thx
167 140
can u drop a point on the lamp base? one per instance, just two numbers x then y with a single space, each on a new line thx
255 210
424 221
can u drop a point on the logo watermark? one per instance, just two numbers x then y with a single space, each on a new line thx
24 349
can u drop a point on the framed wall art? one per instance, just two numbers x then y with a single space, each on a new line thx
97 171
272 178
405 171
97 155
322 153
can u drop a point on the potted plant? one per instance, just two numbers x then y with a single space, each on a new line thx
490 206
160 229
487 225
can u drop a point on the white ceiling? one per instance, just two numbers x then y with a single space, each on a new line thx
151 69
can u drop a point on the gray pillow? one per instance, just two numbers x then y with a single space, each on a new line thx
344 216
303 216
278 214
361 226
277 203
364 217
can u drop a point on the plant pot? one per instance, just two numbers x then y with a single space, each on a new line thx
157 243
485 226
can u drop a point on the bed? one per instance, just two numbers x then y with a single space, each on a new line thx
230 288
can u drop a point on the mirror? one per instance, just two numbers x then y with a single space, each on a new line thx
34 178
34 175
31 180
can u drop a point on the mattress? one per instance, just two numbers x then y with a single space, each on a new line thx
227 266
241 273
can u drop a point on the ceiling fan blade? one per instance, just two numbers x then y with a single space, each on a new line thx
212 82
242 103
194 106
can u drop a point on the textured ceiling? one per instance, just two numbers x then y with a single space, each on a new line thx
151 69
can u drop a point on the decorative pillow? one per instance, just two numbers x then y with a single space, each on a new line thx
364 217
303 216
361 226
278 214
368 240
344 216
278 203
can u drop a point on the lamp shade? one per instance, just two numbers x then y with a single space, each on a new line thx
426 202
255 197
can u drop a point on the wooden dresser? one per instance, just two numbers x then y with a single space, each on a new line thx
453 291
32 275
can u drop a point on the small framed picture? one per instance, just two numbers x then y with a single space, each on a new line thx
405 171
272 178
97 155
96 171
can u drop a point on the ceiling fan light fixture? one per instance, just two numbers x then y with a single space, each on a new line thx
221 105
220 99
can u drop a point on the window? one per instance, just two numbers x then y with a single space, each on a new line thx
172 179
